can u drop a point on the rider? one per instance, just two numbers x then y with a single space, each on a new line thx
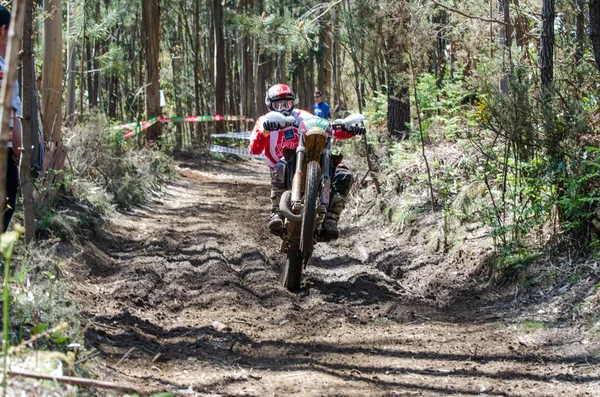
271 138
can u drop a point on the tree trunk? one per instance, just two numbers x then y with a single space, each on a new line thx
398 92
90 61
249 94
71 65
507 24
325 61
335 59
398 111
595 29
579 31
197 73
28 89
151 22
52 71
441 20
259 76
257 97
82 63
547 43
209 51
506 41
176 61
219 64
6 92
230 67
520 26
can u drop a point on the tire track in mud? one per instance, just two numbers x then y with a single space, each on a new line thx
191 282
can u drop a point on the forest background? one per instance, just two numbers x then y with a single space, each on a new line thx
479 110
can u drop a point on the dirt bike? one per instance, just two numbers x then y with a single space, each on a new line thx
308 178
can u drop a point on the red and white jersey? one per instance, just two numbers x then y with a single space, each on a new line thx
274 143
286 138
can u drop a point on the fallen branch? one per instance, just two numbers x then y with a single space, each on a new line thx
75 381
124 356
89 357
467 15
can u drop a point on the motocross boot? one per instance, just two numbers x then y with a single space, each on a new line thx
275 218
330 231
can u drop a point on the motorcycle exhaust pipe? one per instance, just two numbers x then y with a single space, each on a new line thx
284 207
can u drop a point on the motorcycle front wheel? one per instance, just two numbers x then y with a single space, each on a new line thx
293 270
309 212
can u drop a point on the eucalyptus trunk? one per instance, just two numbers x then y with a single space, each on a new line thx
547 43
71 65
6 92
595 29
52 71
325 61
28 114
151 23
579 31
219 64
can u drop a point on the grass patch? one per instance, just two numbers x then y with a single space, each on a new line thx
512 262
40 299
42 326
532 325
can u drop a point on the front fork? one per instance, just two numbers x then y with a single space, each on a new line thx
298 180
298 176
325 183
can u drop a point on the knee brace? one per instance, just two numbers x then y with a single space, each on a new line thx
336 206
278 176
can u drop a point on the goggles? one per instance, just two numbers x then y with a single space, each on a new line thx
283 105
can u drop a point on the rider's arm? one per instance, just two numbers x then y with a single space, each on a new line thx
258 139
341 134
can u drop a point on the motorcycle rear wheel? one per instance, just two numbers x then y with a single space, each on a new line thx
309 213
293 270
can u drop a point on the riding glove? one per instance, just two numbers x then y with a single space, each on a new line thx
356 130
271 126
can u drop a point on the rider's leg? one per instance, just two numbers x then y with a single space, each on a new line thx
277 189
340 187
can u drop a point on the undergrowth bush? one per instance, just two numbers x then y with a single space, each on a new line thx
498 158
543 165
40 299
107 171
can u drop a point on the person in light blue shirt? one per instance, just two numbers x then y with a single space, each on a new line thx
321 108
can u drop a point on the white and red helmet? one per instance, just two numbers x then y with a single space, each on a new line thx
280 98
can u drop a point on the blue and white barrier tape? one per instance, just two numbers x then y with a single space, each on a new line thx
239 152
239 135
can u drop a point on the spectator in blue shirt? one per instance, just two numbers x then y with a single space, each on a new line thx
321 109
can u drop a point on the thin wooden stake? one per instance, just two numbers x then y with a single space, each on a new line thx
430 183
71 380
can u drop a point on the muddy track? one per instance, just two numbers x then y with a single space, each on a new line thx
189 287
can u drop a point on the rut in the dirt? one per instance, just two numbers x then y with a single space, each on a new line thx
191 283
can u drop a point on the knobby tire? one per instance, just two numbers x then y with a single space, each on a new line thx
309 213
293 270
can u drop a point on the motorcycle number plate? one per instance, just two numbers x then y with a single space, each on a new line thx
288 134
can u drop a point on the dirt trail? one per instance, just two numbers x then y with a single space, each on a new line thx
189 287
